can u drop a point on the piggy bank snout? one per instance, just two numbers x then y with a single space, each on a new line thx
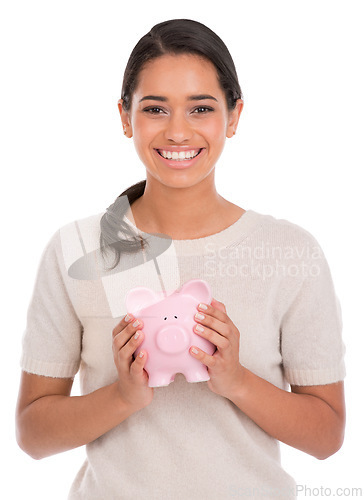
172 339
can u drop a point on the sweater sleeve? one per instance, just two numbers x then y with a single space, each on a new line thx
51 344
311 329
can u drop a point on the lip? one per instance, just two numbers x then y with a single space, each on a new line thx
178 148
179 164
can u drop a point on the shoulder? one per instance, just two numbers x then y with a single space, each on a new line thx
284 233
87 228
73 240
79 237
284 228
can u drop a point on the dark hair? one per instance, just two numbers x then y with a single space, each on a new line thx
176 36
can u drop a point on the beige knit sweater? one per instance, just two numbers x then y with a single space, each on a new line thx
189 443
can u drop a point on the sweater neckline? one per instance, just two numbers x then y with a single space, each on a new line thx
226 237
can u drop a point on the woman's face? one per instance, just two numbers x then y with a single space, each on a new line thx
179 107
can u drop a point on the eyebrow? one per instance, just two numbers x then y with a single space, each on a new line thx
199 97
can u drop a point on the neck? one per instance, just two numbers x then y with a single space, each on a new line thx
181 213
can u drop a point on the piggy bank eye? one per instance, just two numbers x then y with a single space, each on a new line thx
175 317
165 318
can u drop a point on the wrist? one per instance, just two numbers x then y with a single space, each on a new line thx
239 388
122 407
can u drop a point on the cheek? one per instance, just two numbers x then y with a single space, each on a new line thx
141 127
146 123
215 133
144 131
215 128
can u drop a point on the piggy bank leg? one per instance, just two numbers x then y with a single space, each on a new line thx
197 373
160 379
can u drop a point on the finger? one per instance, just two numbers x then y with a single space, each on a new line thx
218 305
212 336
125 354
133 343
211 310
123 337
122 324
138 364
219 326
202 356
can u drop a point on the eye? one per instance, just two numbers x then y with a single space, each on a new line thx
202 110
153 110
176 317
165 318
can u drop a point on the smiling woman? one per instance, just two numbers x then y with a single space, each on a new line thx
180 94
182 132
281 330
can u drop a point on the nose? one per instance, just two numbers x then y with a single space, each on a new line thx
173 339
178 128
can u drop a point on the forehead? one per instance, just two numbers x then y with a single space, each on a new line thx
184 74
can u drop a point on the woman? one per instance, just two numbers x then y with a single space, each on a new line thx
275 319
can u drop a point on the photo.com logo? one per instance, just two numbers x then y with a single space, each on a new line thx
324 492
301 490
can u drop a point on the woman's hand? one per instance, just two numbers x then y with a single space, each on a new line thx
133 379
225 371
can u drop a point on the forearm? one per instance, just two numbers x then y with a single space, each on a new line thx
57 423
303 421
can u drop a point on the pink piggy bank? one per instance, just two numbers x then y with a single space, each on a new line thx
168 331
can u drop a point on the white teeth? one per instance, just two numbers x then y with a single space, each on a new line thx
179 155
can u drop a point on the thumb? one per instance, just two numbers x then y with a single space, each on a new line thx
218 305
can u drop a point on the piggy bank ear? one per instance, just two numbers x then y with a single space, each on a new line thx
140 297
198 289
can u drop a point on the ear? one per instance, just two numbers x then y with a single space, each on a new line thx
139 298
198 289
125 119
234 116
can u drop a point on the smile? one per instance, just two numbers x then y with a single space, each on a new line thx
179 155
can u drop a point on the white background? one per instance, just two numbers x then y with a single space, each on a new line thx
297 155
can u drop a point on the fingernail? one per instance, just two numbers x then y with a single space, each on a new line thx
202 306
136 323
127 318
194 350
199 316
136 335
